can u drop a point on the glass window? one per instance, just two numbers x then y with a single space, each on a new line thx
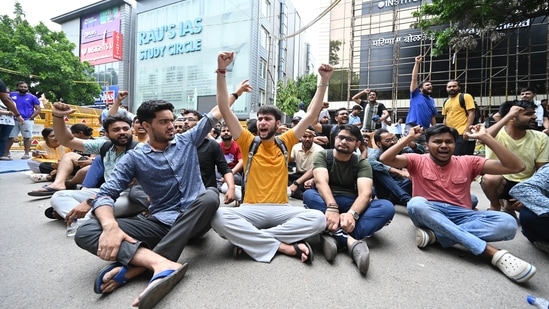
266 8
264 38
263 68
262 97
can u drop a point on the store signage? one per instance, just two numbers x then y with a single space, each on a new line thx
154 41
100 25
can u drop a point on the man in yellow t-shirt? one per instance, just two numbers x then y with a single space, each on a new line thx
457 117
531 146
266 223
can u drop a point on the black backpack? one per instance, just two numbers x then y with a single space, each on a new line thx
478 116
103 152
253 149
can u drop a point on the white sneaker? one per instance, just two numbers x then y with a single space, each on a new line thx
39 177
513 267
425 237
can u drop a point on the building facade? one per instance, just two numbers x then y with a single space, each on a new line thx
380 45
170 48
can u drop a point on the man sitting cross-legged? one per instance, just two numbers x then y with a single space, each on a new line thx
441 208
343 191
180 210
266 223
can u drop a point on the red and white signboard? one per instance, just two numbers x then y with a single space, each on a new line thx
108 96
117 40
98 52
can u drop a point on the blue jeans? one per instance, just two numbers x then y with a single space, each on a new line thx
397 190
378 213
458 225
534 227
5 131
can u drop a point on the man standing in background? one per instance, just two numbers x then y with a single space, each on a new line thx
422 106
28 107
460 118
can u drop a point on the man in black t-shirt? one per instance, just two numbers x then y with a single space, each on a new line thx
375 113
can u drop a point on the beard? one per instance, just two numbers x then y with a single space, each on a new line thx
344 150
270 134
117 142
226 137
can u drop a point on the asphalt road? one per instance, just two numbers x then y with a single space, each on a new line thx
42 268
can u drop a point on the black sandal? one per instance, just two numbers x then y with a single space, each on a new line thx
299 252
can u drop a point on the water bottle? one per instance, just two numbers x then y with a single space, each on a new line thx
71 229
539 302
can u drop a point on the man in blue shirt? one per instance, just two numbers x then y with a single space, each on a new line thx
181 210
28 106
422 107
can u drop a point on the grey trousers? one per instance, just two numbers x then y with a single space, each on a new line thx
259 229
151 233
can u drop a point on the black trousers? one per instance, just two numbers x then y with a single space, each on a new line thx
151 233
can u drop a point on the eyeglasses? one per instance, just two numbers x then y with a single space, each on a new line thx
349 139
188 119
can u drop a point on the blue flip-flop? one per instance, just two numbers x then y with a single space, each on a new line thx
120 278
167 279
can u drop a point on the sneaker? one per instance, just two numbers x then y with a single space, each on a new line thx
513 267
25 157
360 253
5 158
329 247
542 245
425 237
39 177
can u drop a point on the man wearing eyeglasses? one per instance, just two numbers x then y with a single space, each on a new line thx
343 191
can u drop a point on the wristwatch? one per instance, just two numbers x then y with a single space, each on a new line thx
90 201
295 183
354 213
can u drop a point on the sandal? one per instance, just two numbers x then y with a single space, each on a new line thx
52 214
299 252
119 278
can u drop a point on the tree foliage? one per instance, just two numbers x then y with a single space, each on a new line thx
458 24
290 95
45 60
335 47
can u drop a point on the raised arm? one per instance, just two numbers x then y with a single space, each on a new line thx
507 163
356 97
391 156
415 72
513 112
325 71
122 95
223 108
62 133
